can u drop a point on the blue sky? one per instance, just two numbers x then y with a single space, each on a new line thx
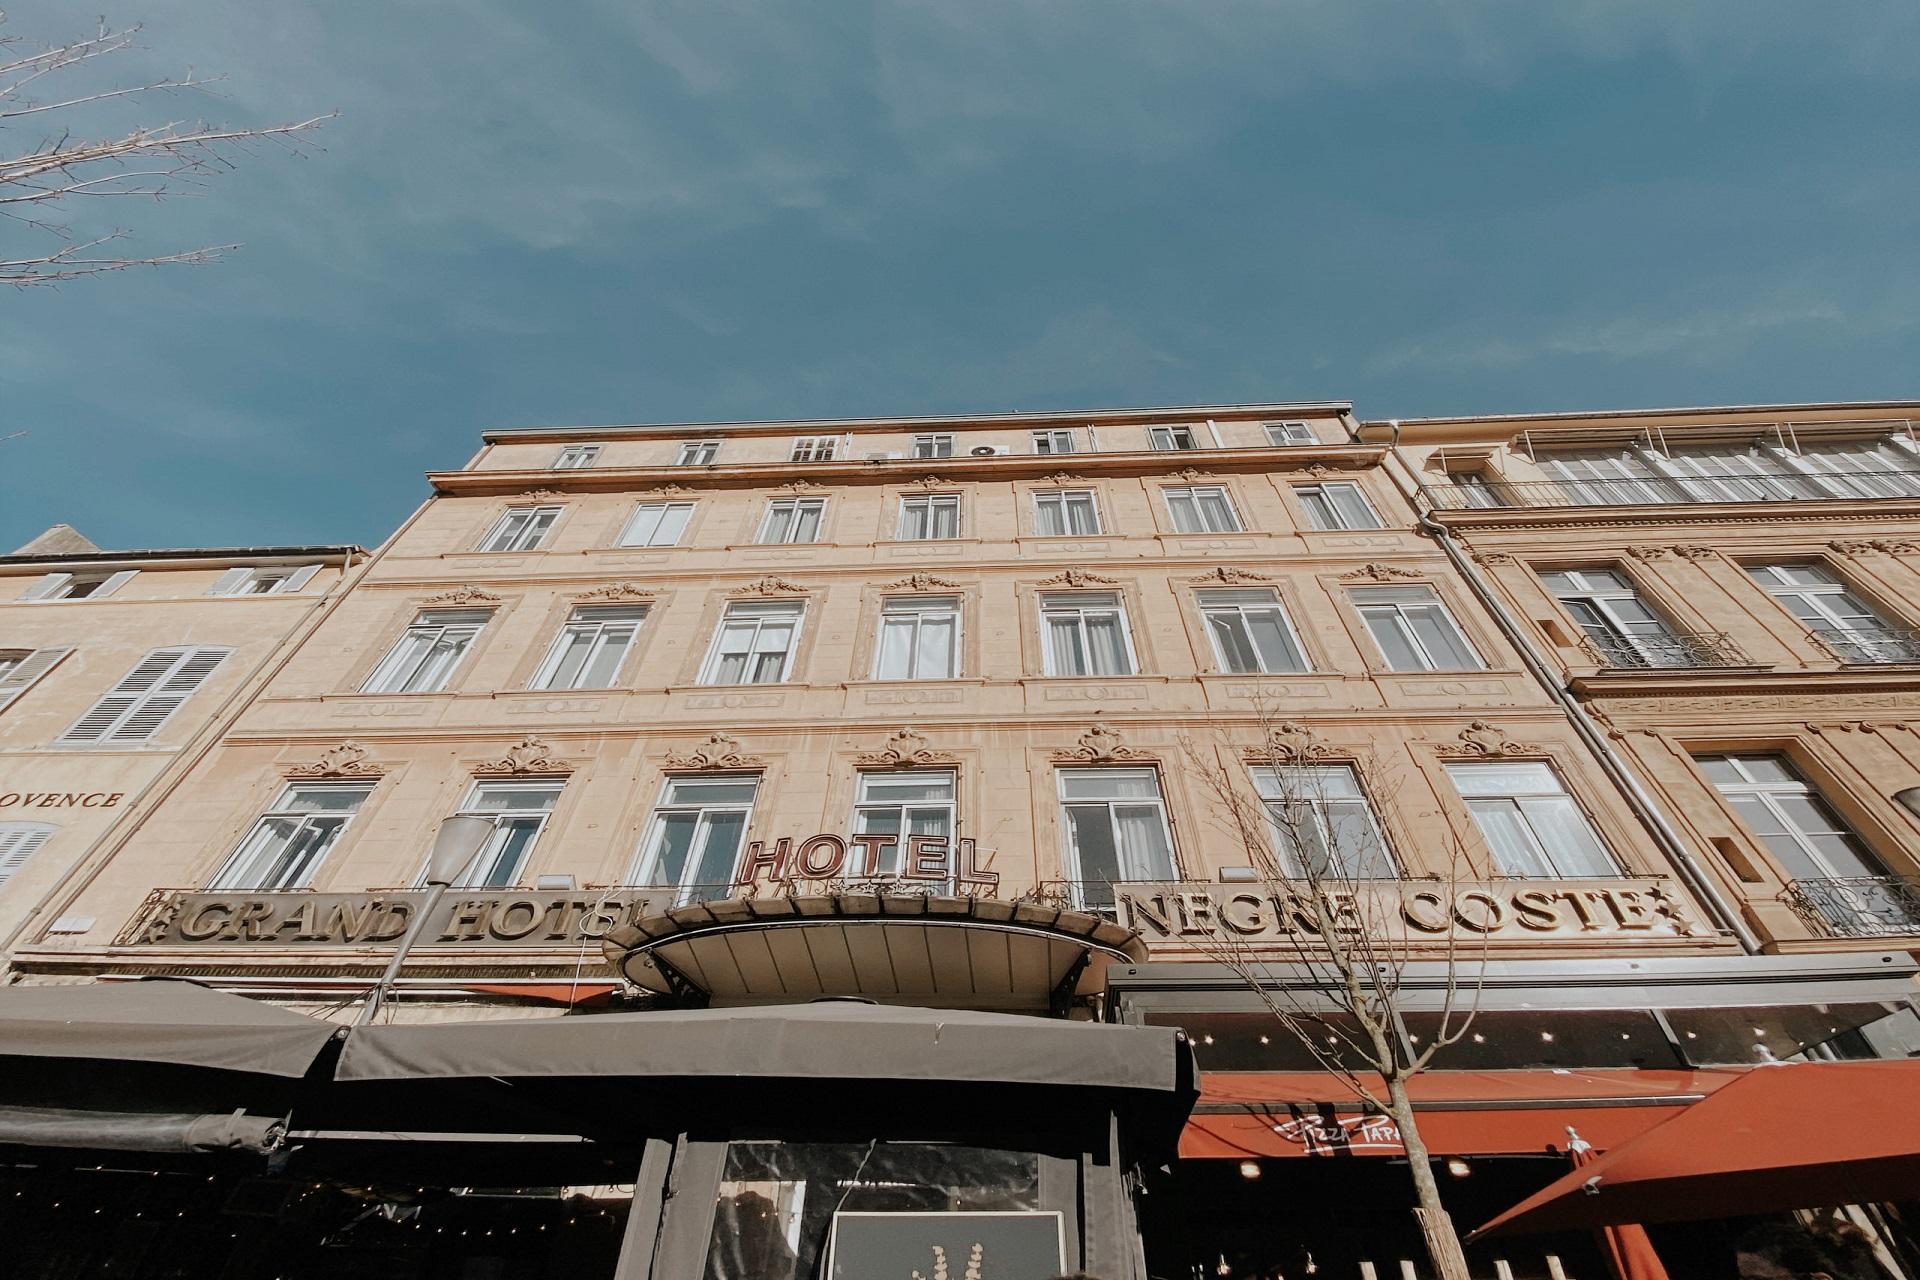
535 213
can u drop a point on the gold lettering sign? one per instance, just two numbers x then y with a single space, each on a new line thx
472 918
61 799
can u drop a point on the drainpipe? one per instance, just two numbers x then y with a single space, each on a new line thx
1644 807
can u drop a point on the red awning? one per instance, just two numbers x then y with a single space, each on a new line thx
1797 1136
1273 1113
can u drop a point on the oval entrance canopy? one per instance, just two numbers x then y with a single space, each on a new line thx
959 952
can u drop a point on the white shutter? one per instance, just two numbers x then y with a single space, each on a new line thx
113 584
230 581
300 578
136 707
192 672
22 677
46 586
18 842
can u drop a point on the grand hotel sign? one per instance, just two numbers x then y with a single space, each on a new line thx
484 918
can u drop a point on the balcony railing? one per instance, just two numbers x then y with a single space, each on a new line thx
1867 646
1670 649
1665 491
1858 906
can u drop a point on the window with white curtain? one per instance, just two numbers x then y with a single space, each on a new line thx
1251 632
698 453
1085 634
147 696
520 529
933 446
19 841
754 643
1413 630
929 515
588 652
1805 833
519 812
902 803
1054 442
1114 831
1336 505
423 659
1170 438
573 457
1530 822
288 842
1062 512
792 520
656 524
1201 508
694 837
1321 824
919 639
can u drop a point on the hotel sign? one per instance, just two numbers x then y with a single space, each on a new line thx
1202 915
483 918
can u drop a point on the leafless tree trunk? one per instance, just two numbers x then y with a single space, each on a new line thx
1336 985
48 169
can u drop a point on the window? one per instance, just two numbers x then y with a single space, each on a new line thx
698 453
146 697
282 580
572 457
1063 512
929 516
1336 506
425 656
77 586
815 448
1530 822
1413 630
1762 471
1054 442
1794 821
1286 433
656 524
1170 438
1477 488
289 841
1322 826
1863 469
21 668
1606 479
1085 634
693 839
792 520
520 529
519 811
590 648
919 639
1621 626
1251 632
902 803
934 446
18 842
1202 508
1836 616
1115 828
754 644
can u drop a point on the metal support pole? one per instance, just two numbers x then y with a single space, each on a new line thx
435 892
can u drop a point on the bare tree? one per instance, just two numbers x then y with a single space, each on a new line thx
44 181
1332 966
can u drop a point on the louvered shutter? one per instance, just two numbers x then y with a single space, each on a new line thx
46 586
133 709
192 672
18 843
301 577
230 581
21 678
113 584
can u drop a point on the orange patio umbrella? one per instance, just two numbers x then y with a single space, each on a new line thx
1629 1252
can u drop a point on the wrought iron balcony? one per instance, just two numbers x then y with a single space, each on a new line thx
1666 490
1671 649
1869 645
1858 906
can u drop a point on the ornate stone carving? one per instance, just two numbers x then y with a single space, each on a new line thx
1481 740
463 595
529 755
799 486
719 751
668 489
342 760
615 592
1226 574
1379 573
1851 547
1648 553
921 582
905 747
1190 474
1897 546
1063 477
771 585
1289 742
1693 551
541 493
1099 745
929 483
1495 557
1078 578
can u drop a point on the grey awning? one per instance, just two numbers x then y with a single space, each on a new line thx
828 1040
138 1131
165 1021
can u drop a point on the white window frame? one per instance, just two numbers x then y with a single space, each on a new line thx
1768 794
893 858
1289 434
1377 602
1820 598
435 626
1312 787
783 517
576 457
521 528
1167 439
935 444
1192 495
913 613
19 841
1325 515
480 871
1067 500
141 702
53 588
1087 893
248 580
1656 648
761 613
1076 607
1222 603
661 515
600 626
930 505
697 453
1050 442
240 873
1528 807
646 870
816 448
